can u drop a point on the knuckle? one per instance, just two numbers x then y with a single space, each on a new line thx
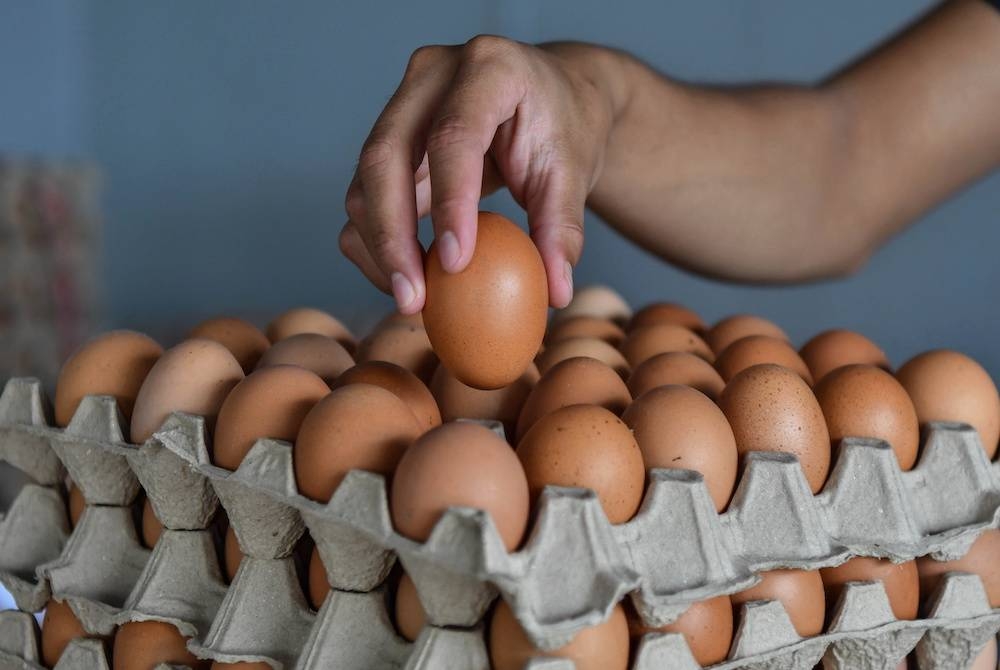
425 58
354 204
346 240
483 47
382 243
448 131
375 154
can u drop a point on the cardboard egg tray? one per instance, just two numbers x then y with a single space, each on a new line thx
573 569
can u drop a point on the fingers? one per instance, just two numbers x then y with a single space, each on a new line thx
555 216
352 246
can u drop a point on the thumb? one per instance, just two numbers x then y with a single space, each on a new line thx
555 217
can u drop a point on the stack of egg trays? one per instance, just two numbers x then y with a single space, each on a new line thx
576 566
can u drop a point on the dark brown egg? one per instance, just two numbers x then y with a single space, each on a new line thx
405 346
756 349
241 665
142 645
319 584
151 526
586 326
899 579
800 591
232 555
667 312
981 559
738 326
643 343
832 349
410 615
707 627
76 504
582 346
402 383
59 627
458 401
244 340
322 355
676 367
309 320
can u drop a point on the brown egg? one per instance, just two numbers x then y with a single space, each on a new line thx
601 647
949 386
667 312
459 464
193 377
151 526
322 355
114 364
832 349
59 627
756 349
406 346
410 615
244 340
232 555
356 427
987 658
142 645
395 318
770 408
271 402
586 446
308 320
486 323
738 326
865 401
76 504
643 343
981 560
241 665
679 427
582 346
676 367
800 591
319 585
707 626
458 401
400 382
586 326
899 579
597 301
574 381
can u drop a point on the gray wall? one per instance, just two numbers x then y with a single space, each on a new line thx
228 132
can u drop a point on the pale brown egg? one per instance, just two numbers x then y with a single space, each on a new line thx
356 427
667 312
707 627
770 408
832 349
271 402
151 526
643 343
574 381
458 401
320 354
114 364
309 320
404 345
949 386
676 367
59 627
601 647
589 447
679 427
459 464
597 301
142 645
245 341
486 323
899 579
582 346
756 349
319 584
193 377
400 382
981 559
586 326
732 328
801 593
232 555
987 658
77 503
866 401
410 615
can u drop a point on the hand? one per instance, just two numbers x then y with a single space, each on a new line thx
465 121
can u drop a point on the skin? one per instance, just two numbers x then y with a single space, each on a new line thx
765 184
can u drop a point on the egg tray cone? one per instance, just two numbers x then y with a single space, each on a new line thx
32 532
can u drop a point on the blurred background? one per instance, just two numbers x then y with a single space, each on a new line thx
225 134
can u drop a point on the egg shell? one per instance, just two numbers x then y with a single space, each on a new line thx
582 346
676 367
271 402
309 320
76 504
756 349
151 526
899 579
598 301
586 446
987 658
679 427
601 647
574 381
459 401
319 585
356 427
459 464
142 645
241 665
667 312
404 345
486 323
732 328
395 318
832 349
402 383
115 364
770 408
193 377
232 555
707 627
245 341
410 615
586 326
322 355
981 559
643 343
866 401
59 627
949 386
801 593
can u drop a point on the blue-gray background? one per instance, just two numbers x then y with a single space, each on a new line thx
228 130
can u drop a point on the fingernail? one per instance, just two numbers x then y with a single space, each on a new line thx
451 253
568 274
403 290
